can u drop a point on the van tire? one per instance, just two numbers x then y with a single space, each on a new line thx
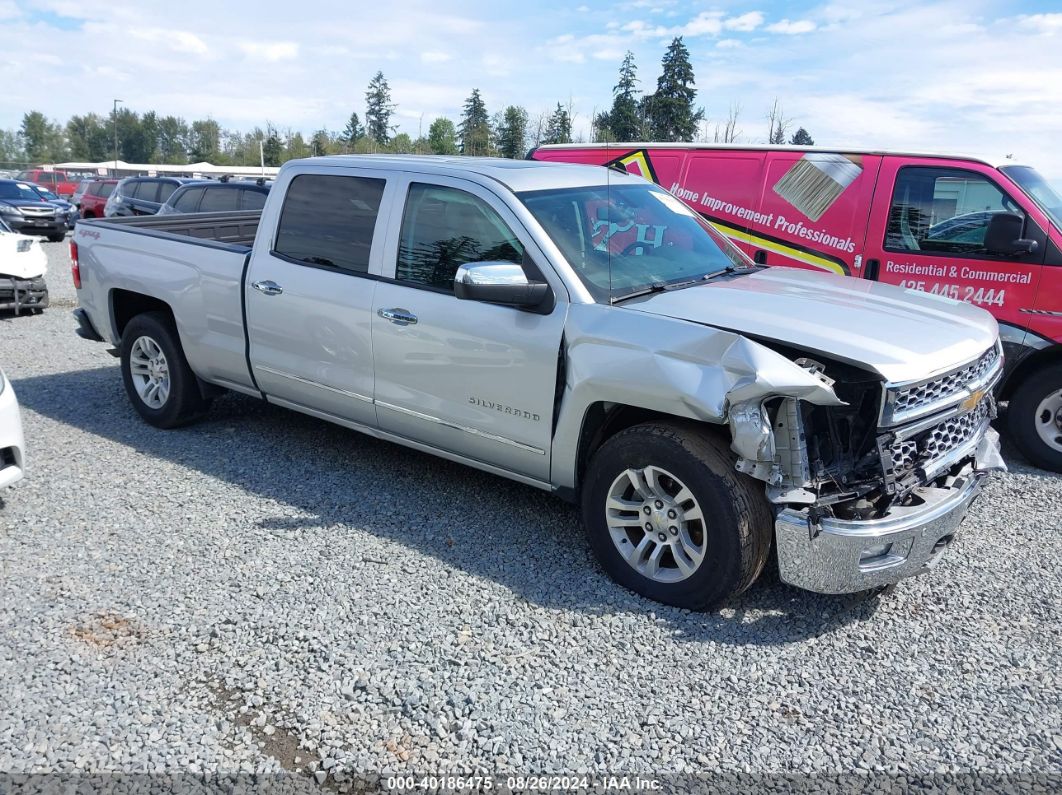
1033 407
183 402
735 533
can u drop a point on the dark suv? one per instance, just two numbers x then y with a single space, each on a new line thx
213 197
141 195
25 211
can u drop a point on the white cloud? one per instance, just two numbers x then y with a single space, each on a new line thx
434 56
728 44
176 40
270 51
9 10
792 27
744 23
706 23
1047 24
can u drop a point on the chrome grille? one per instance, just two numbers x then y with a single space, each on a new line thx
38 212
909 401
934 443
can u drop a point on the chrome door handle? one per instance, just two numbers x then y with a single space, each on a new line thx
268 287
400 317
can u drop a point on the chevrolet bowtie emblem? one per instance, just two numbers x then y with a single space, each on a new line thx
971 402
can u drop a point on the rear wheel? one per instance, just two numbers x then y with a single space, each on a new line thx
57 238
669 517
1034 417
158 380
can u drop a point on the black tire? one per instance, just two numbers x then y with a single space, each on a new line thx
57 238
1022 419
184 403
740 523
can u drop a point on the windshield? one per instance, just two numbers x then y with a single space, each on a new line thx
1036 188
47 194
624 239
16 190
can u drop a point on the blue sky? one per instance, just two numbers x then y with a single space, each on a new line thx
959 75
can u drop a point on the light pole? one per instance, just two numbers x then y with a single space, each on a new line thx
114 121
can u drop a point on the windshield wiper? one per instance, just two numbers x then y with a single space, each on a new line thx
655 287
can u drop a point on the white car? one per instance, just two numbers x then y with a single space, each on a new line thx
22 267
11 441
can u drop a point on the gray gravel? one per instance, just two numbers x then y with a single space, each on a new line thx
267 592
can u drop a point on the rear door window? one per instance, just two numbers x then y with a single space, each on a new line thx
166 190
252 200
147 190
328 221
219 199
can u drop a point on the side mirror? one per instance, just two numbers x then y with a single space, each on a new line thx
1003 235
498 283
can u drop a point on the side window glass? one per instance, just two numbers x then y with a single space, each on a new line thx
105 189
944 211
166 190
329 220
219 199
444 228
252 200
188 201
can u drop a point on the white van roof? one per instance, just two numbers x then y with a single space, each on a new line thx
994 162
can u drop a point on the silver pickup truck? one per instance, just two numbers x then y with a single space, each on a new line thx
583 331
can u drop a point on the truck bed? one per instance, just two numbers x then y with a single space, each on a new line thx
236 229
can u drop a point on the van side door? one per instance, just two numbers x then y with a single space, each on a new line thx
928 230
813 210
474 379
309 292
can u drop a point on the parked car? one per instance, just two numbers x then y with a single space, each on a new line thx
22 267
983 232
510 316
80 191
141 195
67 209
94 199
217 196
25 210
61 183
12 442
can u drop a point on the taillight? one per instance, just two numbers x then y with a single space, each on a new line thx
75 267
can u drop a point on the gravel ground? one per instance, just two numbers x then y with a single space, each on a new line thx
267 592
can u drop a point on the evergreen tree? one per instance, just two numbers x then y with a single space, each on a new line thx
354 131
378 110
442 137
801 138
623 122
669 110
474 131
512 133
559 127
321 143
272 147
41 139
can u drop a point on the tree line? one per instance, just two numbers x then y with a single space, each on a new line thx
669 113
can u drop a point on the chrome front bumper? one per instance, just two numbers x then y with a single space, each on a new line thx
845 556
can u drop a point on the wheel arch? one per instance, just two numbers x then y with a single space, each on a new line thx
127 304
1027 367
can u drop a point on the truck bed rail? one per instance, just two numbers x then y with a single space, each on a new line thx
236 229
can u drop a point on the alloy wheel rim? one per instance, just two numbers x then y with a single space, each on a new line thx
1048 420
656 524
150 372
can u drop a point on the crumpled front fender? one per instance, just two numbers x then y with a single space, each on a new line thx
665 365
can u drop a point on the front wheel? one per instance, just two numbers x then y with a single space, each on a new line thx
1034 417
158 380
670 518
57 238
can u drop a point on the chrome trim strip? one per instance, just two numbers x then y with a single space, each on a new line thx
465 428
888 420
307 381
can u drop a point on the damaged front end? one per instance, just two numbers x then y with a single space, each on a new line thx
871 491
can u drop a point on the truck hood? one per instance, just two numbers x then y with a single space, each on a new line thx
904 335
28 263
